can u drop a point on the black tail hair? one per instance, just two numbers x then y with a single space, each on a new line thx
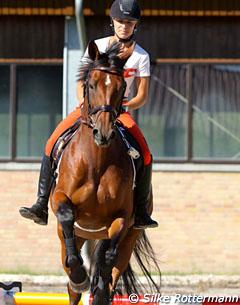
146 260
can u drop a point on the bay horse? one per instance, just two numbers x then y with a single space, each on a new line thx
93 195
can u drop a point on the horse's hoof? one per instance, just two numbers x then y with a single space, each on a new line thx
81 287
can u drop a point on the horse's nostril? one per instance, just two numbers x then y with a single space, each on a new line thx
95 131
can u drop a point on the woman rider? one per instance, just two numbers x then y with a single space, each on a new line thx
125 15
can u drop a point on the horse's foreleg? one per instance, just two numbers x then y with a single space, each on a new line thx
116 233
79 280
125 250
74 297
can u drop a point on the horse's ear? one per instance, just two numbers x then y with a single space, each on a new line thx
122 62
93 51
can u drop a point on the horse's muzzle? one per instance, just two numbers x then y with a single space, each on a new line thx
103 140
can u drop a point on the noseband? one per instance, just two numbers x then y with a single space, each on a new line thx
103 108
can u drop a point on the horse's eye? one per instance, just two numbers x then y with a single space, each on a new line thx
91 86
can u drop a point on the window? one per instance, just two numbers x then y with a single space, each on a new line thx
30 108
4 111
193 113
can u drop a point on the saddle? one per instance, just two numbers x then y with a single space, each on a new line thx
62 142
131 145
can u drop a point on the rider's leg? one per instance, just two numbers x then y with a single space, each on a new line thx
39 211
142 196
144 181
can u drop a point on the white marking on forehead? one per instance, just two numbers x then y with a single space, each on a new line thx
108 80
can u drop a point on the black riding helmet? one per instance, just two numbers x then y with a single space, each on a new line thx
125 9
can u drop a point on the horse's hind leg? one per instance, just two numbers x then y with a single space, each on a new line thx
102 275
107 252
79 280
125 250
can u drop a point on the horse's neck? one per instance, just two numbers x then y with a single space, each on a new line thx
99 156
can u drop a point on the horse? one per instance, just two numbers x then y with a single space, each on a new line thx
93 195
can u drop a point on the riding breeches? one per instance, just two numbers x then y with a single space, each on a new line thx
126 120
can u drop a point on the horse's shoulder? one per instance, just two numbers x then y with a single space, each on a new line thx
76 167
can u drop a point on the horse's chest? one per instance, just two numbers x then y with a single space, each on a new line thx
100 190
110 184
106 192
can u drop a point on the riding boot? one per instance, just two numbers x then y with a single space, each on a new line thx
39 211
142 196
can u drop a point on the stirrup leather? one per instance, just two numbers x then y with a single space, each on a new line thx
131 151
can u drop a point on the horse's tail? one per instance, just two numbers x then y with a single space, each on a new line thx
146 260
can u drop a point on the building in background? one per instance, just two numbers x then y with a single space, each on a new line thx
191 122
193 112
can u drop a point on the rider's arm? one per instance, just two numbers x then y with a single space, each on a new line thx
142 85
80 87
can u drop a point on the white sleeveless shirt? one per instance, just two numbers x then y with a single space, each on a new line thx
138 64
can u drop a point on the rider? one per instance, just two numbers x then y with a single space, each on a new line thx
125 15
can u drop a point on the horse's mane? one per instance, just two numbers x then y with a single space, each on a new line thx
110 60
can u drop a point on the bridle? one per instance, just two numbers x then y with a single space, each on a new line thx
114 113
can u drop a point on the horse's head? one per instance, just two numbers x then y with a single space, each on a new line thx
104 90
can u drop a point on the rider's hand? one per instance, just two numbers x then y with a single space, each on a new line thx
125 106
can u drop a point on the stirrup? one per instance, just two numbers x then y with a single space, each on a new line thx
131 151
